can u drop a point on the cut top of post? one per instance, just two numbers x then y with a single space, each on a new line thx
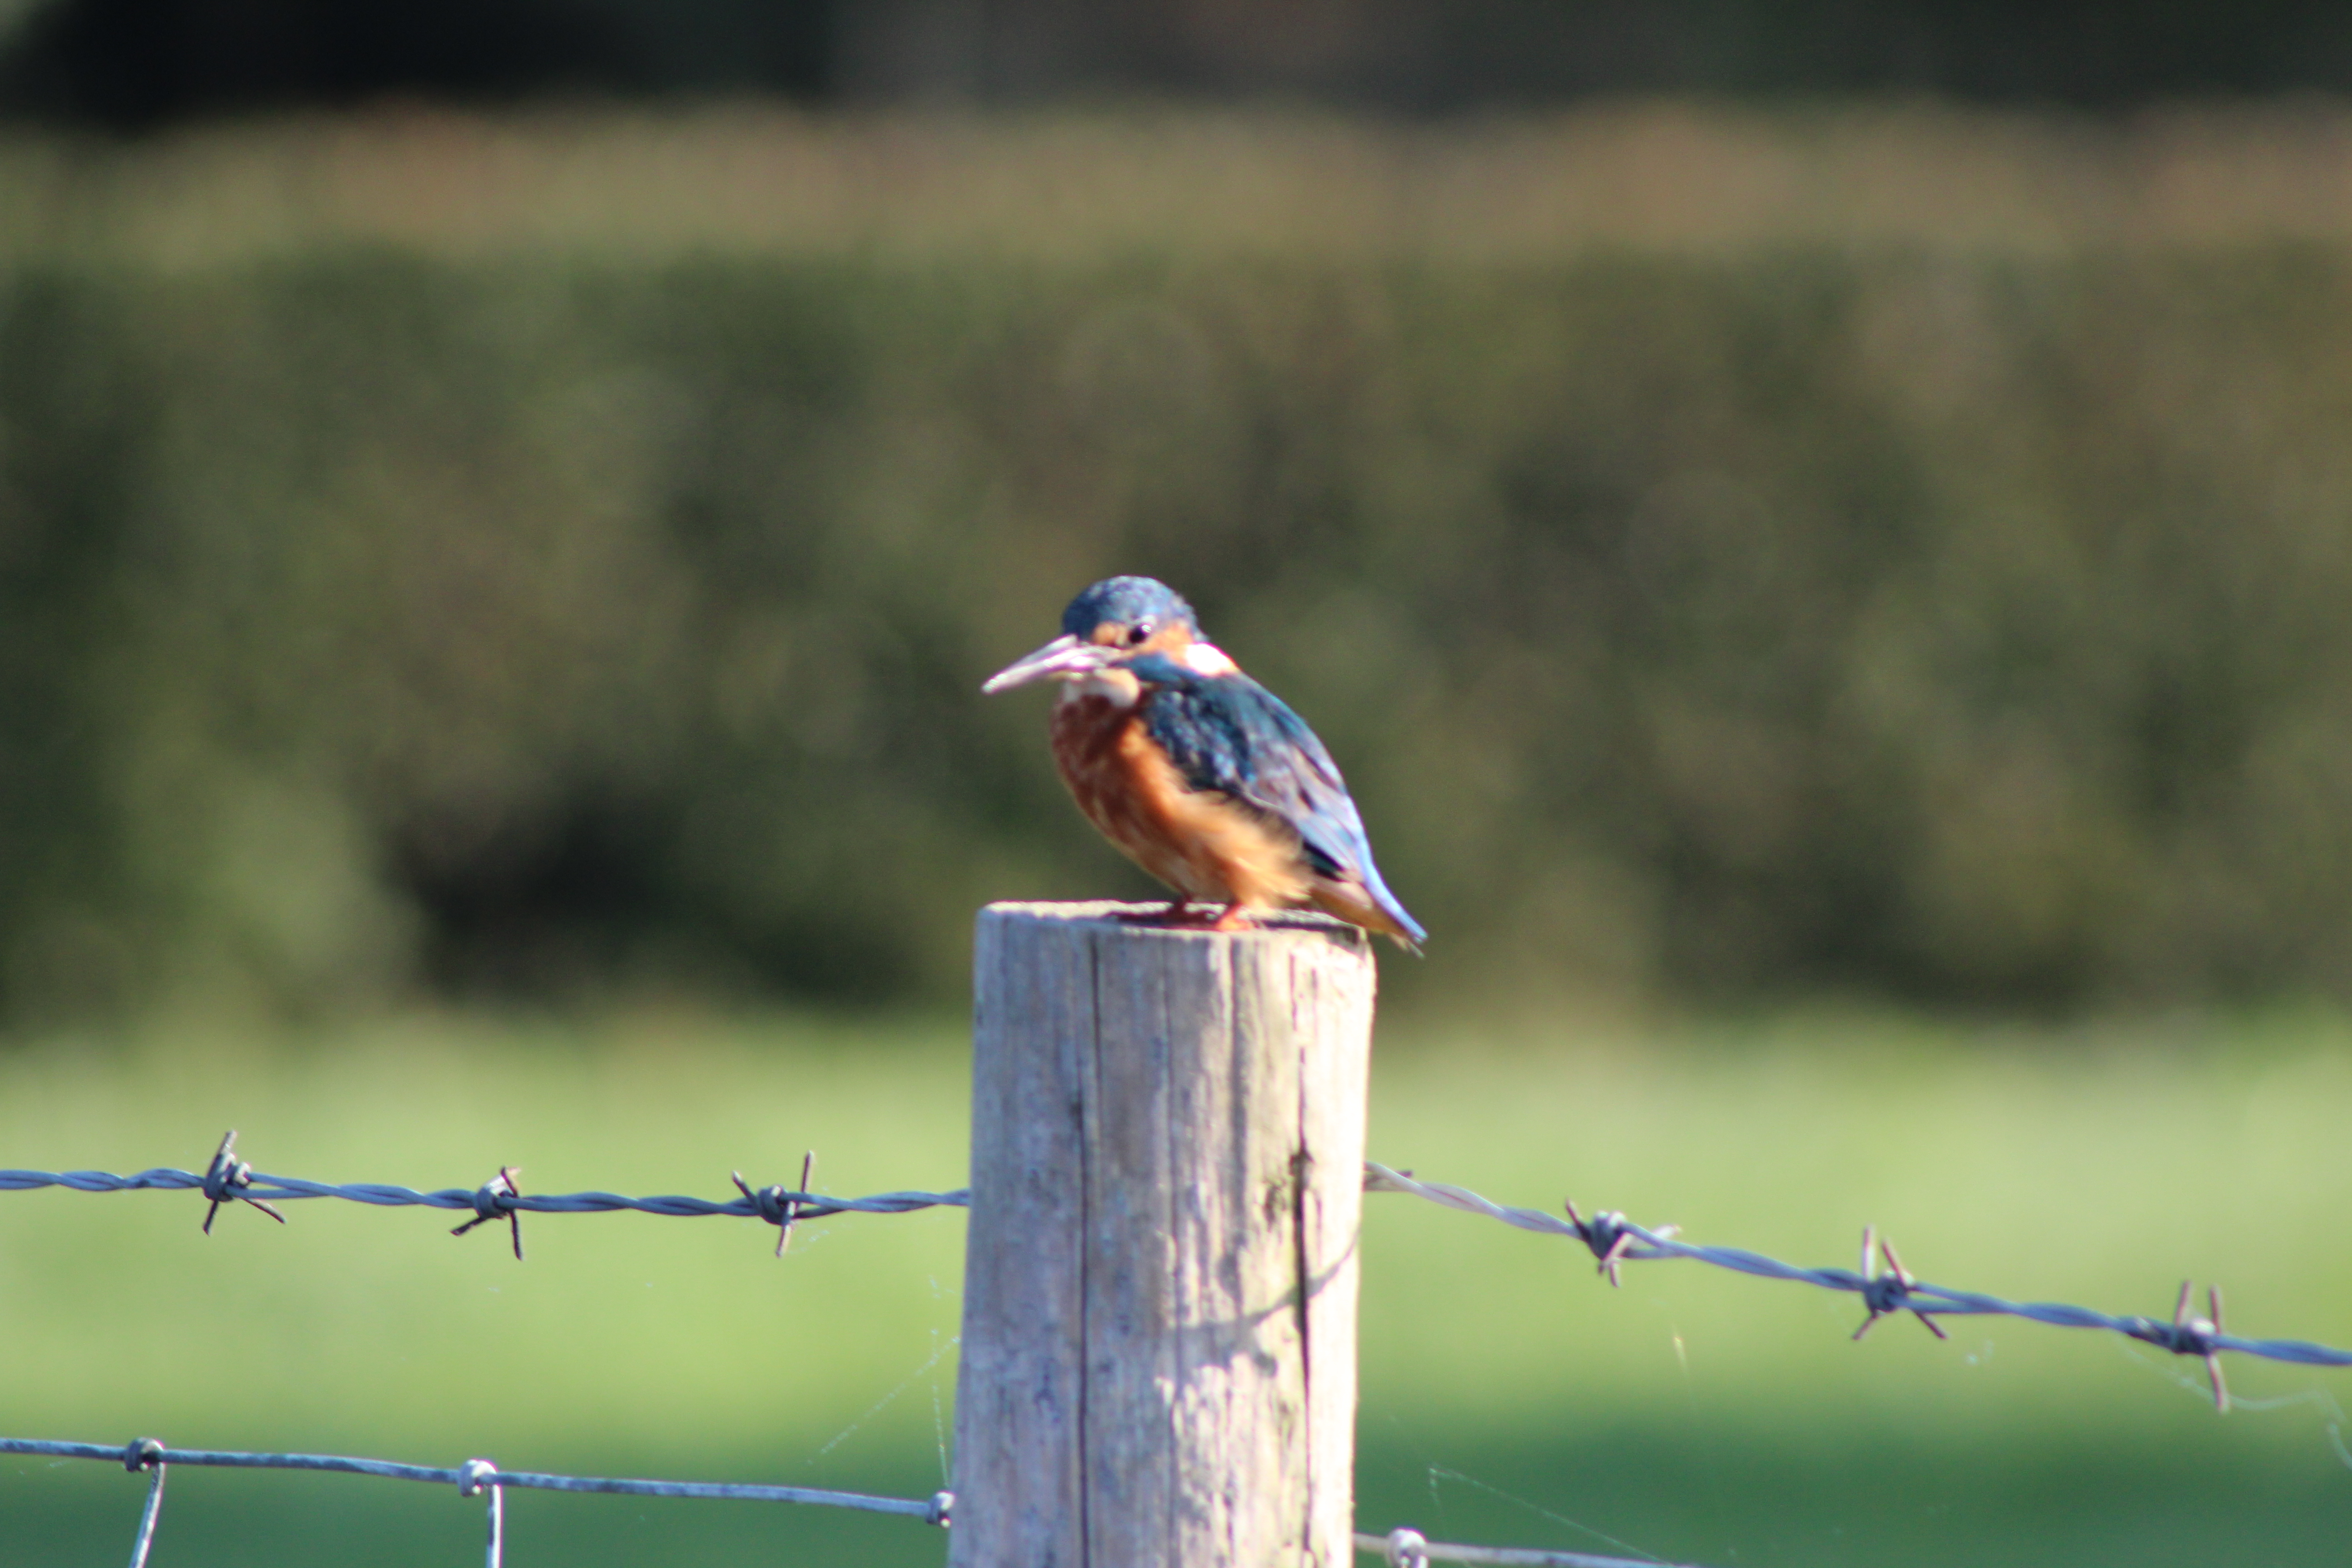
1152 922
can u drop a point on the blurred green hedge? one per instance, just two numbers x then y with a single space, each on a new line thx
1973 630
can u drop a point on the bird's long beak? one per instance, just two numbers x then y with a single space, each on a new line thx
1062 658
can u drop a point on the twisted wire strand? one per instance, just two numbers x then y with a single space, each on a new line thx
1622 1239
1610 1237
269 1188
476 1474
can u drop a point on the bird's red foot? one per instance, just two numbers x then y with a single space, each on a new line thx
1179 913
1235 918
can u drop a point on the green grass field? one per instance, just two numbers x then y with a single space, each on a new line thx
1508 1396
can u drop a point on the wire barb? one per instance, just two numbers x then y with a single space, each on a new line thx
2188 1335
1608 1236
229 1179
1889 1291
777 1206
495 1199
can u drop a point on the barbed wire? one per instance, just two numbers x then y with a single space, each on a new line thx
229 1179
471 1479
1883 1284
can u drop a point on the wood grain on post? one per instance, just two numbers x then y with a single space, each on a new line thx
1159 1358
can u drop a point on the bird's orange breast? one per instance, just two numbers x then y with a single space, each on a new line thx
1204 844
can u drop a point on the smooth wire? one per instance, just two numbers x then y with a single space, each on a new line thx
911 1508
1407 1548
147 1518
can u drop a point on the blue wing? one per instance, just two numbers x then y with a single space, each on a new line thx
1228 733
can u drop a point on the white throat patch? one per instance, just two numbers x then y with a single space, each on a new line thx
1120 688
1207 659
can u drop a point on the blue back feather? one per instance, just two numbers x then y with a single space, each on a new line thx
1228 733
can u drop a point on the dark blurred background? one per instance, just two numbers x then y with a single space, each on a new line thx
135 63
433 566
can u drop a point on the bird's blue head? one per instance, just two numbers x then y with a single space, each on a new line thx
1118 622
1127 612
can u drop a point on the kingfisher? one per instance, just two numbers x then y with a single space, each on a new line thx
1198 773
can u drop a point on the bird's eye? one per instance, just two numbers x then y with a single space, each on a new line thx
1138 632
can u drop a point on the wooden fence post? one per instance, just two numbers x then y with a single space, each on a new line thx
1159 1358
